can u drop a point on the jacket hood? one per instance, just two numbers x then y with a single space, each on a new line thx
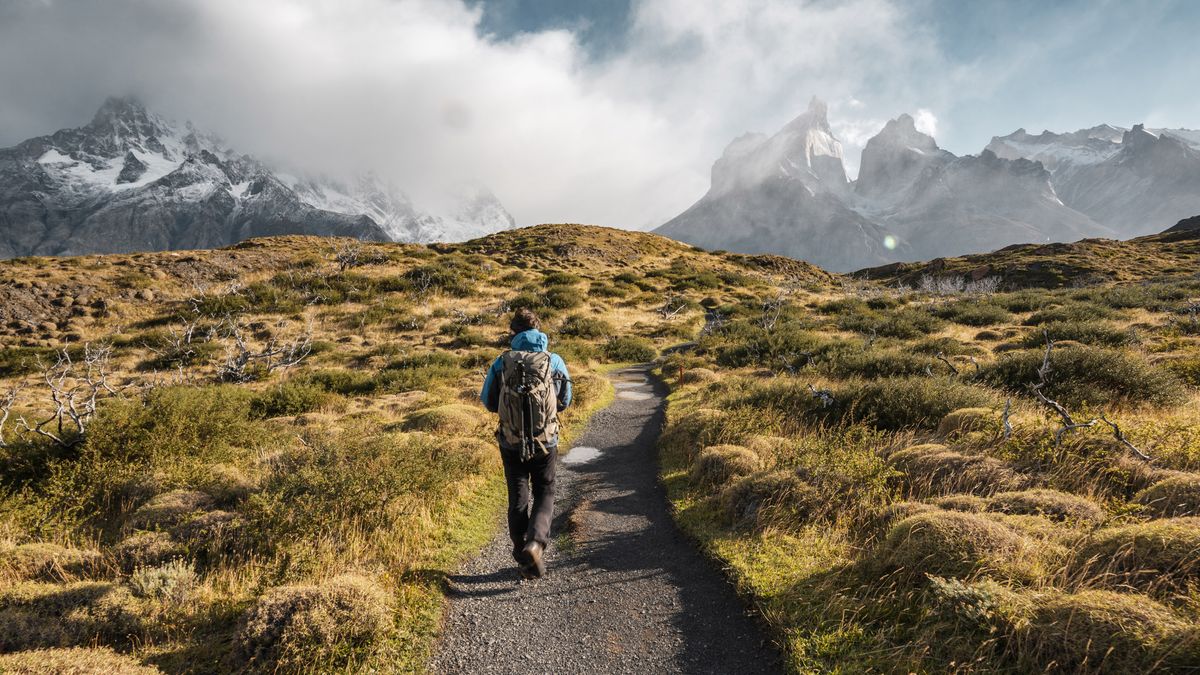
532 340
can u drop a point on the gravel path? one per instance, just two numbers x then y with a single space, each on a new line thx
626 592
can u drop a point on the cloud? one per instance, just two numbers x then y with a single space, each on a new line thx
925 121
412 89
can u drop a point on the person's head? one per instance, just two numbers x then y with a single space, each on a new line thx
523 319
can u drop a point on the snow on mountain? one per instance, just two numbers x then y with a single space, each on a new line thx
132 180
788 194
785 194
1130 180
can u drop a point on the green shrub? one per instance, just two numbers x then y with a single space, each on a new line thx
1070 312
174 422
1095 333
578 325
1080 374
562 296
344 382
974 313
629 348
293 397
873 363
908 402
905 323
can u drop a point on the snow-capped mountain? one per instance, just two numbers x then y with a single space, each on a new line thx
784 194
131 180
788 194
1131 180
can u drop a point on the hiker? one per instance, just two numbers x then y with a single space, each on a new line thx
528 386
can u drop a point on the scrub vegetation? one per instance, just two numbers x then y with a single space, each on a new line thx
267 458
919 473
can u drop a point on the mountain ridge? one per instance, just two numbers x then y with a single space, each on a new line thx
130 180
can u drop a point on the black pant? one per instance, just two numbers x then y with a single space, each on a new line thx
530 484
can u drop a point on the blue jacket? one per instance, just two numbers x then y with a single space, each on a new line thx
532 340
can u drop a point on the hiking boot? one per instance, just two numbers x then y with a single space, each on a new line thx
531 560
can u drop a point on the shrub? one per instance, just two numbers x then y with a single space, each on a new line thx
173 422
905 323
965 420
145 549
1158 555
718 464
1173 496
906 402
934 469
1049 504
873 363
1086 374
290 398
1071 312
629 348
45 562
1096 333
780 498
171 582
578 325
973 313
73 661
226 483
949 543
562 296
314 627
559 278
345 382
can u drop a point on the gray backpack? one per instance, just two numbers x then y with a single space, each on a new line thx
528 403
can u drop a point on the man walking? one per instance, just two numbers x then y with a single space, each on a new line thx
528 386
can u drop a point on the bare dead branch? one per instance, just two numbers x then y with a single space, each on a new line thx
244 363
942 357
1005 421
74 389
1124 441
6 405
825 396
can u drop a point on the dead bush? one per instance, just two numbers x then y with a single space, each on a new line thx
1051 504
314 626
718 464
779 498
46 562
949 543
1174 496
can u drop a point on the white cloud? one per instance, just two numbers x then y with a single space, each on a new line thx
410 88
925 121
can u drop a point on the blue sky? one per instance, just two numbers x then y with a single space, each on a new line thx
602 111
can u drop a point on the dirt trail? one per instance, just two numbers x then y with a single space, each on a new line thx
626 591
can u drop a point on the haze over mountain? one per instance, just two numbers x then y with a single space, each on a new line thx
133 181
913 200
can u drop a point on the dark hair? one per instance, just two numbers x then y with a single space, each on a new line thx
523 320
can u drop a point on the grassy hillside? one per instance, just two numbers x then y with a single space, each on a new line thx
269 456
1090 261
847 454
285 456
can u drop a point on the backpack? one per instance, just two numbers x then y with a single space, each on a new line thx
528 403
